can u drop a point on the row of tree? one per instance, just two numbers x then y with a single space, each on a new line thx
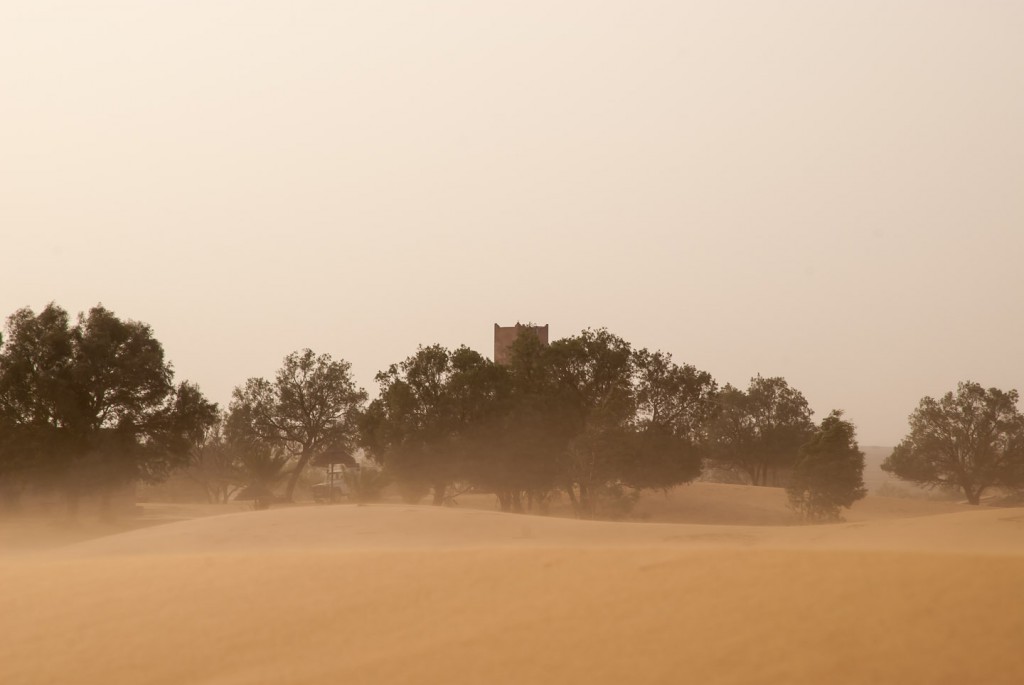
91 405
588 416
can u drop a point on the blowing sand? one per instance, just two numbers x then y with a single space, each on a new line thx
404 594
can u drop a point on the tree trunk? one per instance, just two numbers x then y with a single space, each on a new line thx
572 498
586 508
971 491
440 489
294 478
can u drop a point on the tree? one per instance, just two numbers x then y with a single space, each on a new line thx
186 422
433 410
311 405
91 406
35 398
623 420
215 465
593 374
759 432
674 407
259 464
586 415
829 473
972 439
520 463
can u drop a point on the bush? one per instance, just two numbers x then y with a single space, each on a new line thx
829 474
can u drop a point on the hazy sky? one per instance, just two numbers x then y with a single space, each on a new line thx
828 191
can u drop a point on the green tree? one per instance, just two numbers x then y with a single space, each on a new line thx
586 415
674 408
259 464
593 374
520 464
759 432
311 405
35 399
829 475
91 406
972 439
432 413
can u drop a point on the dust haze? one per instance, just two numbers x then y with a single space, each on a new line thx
577 342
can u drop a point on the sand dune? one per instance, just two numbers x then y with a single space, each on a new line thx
704 503
406 594
386 527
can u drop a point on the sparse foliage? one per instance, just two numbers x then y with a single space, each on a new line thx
215 464
311 405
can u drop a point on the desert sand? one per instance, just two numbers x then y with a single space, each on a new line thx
396 593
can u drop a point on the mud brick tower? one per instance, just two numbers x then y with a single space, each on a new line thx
504 336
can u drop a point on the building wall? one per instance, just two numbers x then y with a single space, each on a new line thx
504 336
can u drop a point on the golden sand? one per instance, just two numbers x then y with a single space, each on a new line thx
406 594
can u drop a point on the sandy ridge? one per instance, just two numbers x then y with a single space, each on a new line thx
982 531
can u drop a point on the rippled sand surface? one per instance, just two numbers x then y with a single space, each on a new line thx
408 594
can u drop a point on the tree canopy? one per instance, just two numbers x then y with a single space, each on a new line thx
311 405
759 432
971 439
829 474
586 415
91 405
434 410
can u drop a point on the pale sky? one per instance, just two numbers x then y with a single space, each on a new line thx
832 191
